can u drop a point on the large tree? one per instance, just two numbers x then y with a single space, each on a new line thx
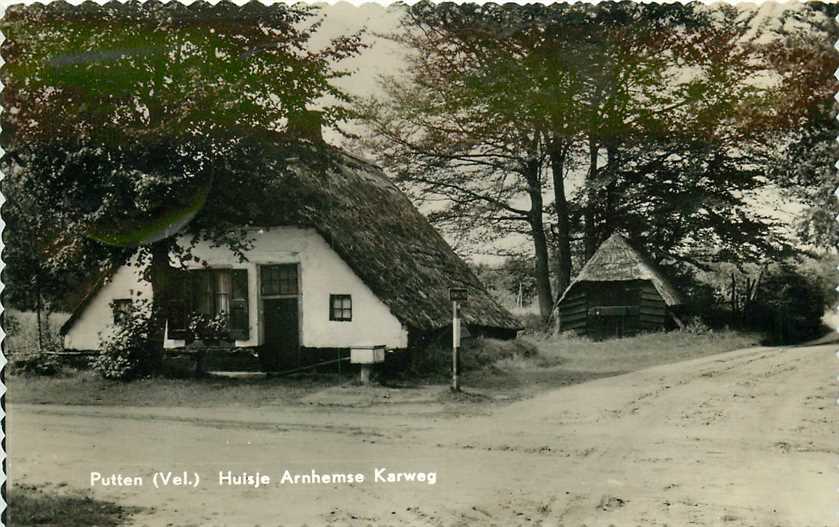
805 150
121 120
450 138
692 194
505 101
664 114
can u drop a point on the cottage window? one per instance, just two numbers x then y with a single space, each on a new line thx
239 322
121 308
279 280
212 292
340 308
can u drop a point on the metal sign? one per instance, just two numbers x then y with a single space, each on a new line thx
458 294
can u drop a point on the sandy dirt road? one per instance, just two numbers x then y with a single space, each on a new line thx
746 438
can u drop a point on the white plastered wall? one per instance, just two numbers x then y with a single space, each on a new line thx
322 272
96 320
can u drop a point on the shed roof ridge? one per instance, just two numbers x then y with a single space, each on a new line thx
644 269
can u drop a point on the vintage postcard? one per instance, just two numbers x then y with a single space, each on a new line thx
428 264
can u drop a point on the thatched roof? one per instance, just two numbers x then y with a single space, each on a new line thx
362 215
375 229
617 261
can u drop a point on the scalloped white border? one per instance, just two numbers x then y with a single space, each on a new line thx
3 361
4 4
386 3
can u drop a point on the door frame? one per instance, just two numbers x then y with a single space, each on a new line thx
263 298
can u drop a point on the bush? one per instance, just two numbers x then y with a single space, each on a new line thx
34 364
434 360
824 271
704 306
483 352
11 323
126 353
789 307
534 324
697 326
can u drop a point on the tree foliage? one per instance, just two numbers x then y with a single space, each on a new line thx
658 121
122 121
805 154
124 109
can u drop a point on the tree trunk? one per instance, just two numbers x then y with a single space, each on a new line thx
590 233
563 234
159 273
611 194
540 243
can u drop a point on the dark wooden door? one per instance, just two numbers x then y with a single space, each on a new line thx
613 310
282 334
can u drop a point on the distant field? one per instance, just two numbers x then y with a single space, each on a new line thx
21 329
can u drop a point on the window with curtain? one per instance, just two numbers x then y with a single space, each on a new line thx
211 292
340 308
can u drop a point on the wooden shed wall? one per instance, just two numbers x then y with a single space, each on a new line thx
653 310
573 311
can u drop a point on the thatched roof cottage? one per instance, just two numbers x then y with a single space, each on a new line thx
618 292
340 258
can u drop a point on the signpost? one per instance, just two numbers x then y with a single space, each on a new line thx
457 295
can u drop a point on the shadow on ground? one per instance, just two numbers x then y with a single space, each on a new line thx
30 505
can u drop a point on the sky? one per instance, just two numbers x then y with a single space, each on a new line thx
382 57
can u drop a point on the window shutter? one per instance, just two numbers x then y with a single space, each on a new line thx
239 320
178 305
203 291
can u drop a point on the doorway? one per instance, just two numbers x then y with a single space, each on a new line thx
280 293
281 350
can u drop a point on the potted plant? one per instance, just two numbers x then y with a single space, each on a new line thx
205 332
209 330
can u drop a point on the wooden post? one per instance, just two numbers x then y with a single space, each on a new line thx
455 347
365 374
456 295
733 301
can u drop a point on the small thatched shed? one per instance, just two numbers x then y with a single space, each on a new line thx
618 293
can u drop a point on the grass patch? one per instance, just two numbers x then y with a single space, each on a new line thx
30 506
634 353
563 360
84 387
504 370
